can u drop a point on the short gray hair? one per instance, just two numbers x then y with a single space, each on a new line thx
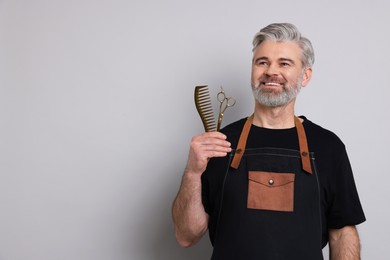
282 32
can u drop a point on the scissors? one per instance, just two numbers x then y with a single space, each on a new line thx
225 103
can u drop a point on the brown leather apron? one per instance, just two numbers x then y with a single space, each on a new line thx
269 207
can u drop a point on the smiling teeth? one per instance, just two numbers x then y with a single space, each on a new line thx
272 84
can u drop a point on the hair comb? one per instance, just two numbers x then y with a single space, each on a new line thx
205 108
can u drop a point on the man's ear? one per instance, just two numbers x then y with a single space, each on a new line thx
306 76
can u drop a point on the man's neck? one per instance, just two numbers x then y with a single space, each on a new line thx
274 117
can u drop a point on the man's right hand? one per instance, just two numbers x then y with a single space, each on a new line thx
203 147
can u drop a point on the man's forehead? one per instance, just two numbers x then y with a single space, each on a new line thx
278 50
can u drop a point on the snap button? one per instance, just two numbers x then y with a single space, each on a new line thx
239 151
271 182
304 154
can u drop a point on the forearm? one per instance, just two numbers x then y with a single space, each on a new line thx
344 244
189 216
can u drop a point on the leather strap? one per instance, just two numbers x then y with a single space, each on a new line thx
303 146
242 143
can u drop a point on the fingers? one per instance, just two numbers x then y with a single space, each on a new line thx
206 146
214 144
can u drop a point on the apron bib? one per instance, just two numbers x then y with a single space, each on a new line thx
270 205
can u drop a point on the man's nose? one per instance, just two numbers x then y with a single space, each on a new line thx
272 70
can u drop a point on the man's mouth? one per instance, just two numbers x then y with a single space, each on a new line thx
271 84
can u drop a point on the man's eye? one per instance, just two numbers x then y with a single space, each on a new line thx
262 63
285 64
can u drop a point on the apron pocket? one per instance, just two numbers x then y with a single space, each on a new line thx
271 191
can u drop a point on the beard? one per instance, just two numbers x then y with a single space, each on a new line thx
277 98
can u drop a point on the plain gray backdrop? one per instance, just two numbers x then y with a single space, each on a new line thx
97 113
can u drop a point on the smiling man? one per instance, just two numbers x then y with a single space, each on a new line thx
270 59
273 185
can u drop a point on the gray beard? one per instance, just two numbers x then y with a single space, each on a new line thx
272 99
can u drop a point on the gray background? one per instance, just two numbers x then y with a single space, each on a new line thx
97 112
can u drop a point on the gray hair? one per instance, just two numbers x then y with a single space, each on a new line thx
282 32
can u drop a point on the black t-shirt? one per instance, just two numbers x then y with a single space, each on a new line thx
340 204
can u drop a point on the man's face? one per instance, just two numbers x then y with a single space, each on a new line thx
277 73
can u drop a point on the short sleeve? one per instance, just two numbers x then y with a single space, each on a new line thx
345 208
212 182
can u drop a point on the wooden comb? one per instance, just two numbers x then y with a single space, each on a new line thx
205 108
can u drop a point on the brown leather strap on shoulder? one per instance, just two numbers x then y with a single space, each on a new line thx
303 147
242 143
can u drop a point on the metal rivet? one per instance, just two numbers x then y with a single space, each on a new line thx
239 151
304 154
271 182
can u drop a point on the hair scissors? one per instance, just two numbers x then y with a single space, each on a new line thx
225 102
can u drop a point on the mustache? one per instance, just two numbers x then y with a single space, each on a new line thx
272 79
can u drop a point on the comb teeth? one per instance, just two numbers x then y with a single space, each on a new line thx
204 107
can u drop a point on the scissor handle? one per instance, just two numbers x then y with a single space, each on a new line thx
225 103
221 96
230 102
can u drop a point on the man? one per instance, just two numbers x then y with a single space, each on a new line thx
271 186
